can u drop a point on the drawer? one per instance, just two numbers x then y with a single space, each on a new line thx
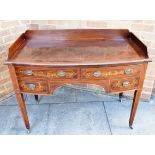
110 72
33 86
25 71
47 72
124 84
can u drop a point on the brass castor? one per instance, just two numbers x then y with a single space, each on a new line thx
121 100
130 126
28 131
120 97
36 98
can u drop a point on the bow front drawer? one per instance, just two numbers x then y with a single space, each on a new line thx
33 86
124 84
110 72
25 71
47 72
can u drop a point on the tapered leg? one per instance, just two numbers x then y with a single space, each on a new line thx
36 98
23 109
120 97
136 99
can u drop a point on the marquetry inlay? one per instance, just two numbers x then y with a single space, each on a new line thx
41 61
48 73
124 84
35 73
33 86
62 74
99 73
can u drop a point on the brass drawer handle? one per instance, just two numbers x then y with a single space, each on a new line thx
97 73
125 84
127 70
32 86
28 72
61 73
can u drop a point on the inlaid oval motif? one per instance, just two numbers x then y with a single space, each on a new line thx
32 86
126 83
61 73
130 83
28 72
97 73
128 71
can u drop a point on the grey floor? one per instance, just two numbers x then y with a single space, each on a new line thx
77 112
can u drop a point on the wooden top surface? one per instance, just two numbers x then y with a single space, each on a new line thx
77 47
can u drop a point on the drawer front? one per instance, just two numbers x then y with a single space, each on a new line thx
110 72
33 86
30 72
124 84
54 73
63 73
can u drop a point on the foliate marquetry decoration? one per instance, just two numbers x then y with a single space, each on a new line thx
32 86
39 73
106 73
48 73
125 84
68 74
35 73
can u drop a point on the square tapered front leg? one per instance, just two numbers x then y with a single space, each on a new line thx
23 110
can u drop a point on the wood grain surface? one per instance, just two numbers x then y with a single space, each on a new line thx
77 47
